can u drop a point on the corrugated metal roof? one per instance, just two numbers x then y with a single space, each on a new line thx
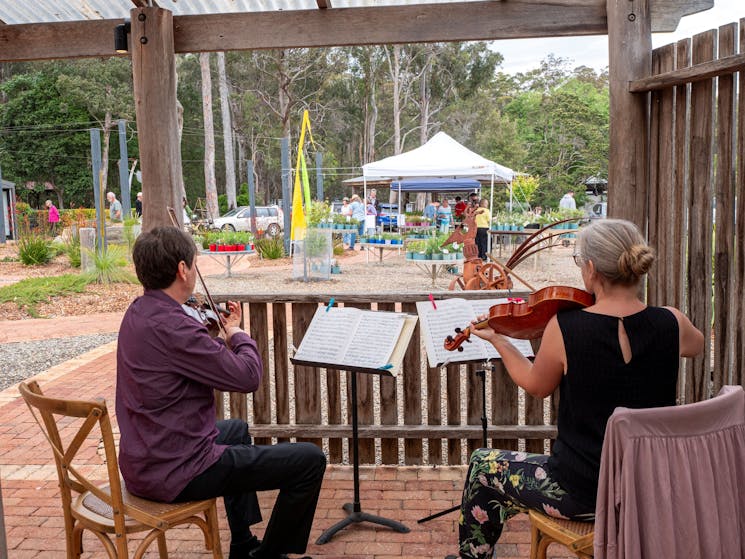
665 13
40 11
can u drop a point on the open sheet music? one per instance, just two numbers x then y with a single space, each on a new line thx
450 314
345 336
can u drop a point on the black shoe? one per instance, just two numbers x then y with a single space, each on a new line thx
243 550
451 557
259 554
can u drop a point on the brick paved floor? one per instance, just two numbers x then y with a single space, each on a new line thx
33 516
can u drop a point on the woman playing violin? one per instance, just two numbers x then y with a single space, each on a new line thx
616 352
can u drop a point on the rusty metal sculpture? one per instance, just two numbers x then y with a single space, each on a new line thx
480 275
477 274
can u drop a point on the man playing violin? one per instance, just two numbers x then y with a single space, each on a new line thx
172 448
615 352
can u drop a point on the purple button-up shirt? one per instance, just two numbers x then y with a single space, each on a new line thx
167 367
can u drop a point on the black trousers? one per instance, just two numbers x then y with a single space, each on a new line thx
482 241
296 469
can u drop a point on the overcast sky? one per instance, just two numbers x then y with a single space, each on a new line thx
521 55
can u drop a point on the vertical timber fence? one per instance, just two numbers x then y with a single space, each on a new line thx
696 207
423 416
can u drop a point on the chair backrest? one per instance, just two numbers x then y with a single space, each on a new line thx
67 441
671 481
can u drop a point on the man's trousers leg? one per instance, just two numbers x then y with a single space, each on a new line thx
295 469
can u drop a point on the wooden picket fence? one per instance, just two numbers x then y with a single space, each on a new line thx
424 417
697 196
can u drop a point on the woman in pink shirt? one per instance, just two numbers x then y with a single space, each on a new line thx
53 216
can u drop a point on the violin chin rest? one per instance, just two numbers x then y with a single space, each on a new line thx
460 347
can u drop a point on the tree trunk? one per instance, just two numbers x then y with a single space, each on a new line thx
284 108
424 101
371 111
227 132
180 176
209 137
396 81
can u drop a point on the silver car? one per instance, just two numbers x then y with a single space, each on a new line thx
268 218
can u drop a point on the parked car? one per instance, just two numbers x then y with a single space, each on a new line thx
268 218
387 216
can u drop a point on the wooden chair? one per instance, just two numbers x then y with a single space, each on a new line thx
107 508
545 530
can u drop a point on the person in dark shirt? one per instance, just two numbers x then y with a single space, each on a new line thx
616 352
138 205
172 448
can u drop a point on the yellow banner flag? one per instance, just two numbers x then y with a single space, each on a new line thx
298 224
297 229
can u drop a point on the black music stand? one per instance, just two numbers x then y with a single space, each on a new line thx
354 509
481 373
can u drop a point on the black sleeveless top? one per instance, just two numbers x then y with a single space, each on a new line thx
597 381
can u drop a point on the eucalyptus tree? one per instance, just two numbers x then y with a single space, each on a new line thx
210 183
104 87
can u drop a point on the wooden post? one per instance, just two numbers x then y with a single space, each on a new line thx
154 78
630 57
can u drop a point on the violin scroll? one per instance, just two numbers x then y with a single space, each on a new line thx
453 343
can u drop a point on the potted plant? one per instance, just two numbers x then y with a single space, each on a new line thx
415 250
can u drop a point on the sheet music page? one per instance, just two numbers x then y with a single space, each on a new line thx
373 342
439 323
327 337
481 306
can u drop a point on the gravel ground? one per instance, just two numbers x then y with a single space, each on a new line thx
20 360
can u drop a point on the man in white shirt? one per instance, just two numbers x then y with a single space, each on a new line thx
567 201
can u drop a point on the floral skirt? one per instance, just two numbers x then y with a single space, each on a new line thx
502 483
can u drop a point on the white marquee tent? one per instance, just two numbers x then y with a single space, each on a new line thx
441 157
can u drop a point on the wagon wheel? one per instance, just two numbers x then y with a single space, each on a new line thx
490 276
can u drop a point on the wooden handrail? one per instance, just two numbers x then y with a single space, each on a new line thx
691 74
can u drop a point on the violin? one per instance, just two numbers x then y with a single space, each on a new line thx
525 320
199 308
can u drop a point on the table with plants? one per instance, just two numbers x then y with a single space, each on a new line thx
430 256
227 247
381 242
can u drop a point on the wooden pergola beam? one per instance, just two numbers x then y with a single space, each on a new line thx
459 21
323 4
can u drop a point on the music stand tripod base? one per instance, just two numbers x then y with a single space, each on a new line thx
354 509
356 516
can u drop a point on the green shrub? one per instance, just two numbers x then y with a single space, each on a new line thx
110 266
72 248
34 249
28 293
271 249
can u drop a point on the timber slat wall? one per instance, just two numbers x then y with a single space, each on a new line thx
396 415
696 212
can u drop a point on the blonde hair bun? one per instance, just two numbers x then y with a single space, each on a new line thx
635 262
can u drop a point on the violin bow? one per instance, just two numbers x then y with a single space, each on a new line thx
213 306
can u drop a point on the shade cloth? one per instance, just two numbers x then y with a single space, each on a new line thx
672 481
436 185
